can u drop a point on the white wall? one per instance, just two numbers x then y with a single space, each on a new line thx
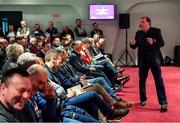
44 13
164 15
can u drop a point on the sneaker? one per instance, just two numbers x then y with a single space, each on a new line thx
163 108
118 114
142 103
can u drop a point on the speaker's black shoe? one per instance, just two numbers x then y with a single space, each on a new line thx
142 103
163 108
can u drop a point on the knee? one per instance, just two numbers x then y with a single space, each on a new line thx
97 85
102 79
92 94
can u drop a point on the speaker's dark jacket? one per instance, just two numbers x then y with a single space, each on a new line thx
146 50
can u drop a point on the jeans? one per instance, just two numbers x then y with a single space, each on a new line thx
70 120
107 66
109 70
91 102
99 73
104 84
76 113
102 92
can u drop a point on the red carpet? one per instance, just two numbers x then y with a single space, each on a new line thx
150 112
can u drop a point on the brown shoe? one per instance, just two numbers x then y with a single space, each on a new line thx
123 104
122 77
118 114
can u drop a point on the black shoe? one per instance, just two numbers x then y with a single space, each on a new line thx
142 103
163 108
118 114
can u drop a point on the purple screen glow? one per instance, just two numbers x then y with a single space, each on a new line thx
102 12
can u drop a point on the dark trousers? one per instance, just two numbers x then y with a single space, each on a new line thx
160 89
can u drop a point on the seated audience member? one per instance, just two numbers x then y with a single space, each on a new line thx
42 102
53 67
26 59
76 113
24 42
56 43
11 32
66 43
51 31
67 30
76 58
94 50
46 46
12 40
67 40
34 46
37 32
90 101
3 56
76 61
98 46
42 94
53 61
74 79
15 90
13 51
68 113
96 30
67 70
43 39
79 31
24 30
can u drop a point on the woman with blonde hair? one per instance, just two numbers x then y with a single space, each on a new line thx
13 51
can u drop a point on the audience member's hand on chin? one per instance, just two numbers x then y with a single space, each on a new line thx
48 91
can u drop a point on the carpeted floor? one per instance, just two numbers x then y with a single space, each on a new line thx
150 112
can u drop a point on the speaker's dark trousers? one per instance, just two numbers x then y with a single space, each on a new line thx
160 89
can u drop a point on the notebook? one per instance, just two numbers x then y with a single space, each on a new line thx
76 88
